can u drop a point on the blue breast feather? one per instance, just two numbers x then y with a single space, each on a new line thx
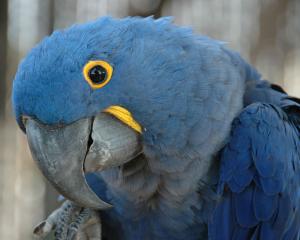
259 178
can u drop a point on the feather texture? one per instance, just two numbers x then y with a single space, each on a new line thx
264 204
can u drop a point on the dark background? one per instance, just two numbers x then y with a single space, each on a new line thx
265 32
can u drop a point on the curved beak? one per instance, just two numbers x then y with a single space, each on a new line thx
65 153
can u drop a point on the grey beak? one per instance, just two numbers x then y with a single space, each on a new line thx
61 152
114 144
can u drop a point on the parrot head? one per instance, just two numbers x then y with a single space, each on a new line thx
96 95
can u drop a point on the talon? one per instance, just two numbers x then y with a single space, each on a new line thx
45 227
42 229
68 222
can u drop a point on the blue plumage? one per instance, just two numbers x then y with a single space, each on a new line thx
256 205
185 90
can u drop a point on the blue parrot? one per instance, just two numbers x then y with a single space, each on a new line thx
166 133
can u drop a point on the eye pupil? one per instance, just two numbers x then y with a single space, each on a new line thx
97 74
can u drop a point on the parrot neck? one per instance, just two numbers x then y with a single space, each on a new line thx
137 189
171 186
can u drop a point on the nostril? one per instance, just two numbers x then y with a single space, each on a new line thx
22 120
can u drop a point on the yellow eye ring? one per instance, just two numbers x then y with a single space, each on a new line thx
97 73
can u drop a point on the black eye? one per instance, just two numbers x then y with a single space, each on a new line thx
98 74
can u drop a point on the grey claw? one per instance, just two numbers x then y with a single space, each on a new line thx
69 222
42 229
45 227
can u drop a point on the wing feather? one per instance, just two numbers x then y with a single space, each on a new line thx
259 178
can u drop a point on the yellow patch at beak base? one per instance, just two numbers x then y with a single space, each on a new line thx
125 116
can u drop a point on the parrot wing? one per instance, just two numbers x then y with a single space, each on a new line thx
259 177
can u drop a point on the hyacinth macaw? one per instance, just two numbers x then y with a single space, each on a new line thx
168 134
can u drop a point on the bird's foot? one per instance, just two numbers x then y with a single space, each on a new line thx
70 222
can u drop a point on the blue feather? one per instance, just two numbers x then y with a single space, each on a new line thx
243 203
264 192
185 90
264 205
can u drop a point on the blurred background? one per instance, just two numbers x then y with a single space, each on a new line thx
265 32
